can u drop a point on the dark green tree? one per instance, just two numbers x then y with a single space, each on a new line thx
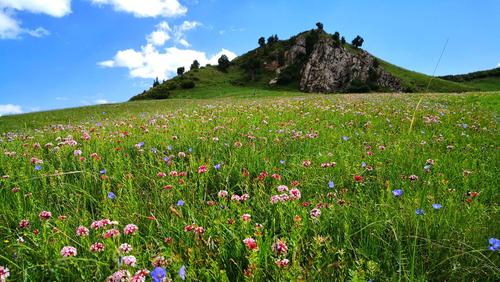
320 26
224 63
342 40
358 41
252 67
262 42
156 82
180 71
336 36
272 39
195 65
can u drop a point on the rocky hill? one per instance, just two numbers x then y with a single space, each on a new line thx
312 61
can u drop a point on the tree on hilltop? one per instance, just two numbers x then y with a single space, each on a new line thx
358 41
224 63
262 42
195 65
320 26
156 82
180 71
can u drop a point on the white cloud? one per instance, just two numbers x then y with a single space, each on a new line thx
54 8
146 8
10 27
498 66
150 62
102 101
9 109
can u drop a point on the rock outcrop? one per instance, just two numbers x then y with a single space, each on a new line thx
332 67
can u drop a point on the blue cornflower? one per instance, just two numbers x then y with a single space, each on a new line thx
465 125
397 192
182 272
419 212
345 138
102 171
111 195
98 124
169 147
190 150
282 162
427 167
217 166
140 144
363 164
331 184
180 203
494 244
166 159
38 167
437 206
153 150
158 274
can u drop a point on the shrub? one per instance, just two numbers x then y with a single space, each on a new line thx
188 84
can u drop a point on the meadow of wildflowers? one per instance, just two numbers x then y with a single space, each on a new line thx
306 188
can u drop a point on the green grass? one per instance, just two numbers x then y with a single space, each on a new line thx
415 82
363 232
485 84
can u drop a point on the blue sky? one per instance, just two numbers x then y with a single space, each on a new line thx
63 53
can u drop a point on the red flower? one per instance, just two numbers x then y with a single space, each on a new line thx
358 178
202 169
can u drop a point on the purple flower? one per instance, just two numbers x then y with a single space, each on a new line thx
158 274
397 192
437 206
98 124
345 138
180 203
494 244
363 164
169 147
419 212
38 167
190 150
182 272
282 162
331 184
217 166
111 195
153 150
102 172
166 159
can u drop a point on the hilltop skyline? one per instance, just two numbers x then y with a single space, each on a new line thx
73 53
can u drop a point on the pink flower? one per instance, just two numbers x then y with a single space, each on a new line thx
244 197
24 223
97 247
306 163
119 276
282 188
279 247
413 177
275 199
202 169
44 215
161 174
4 273
222 194
111 233
189 228
77 153
130 229
125 248
284 197
68 251
295 194
250 243
173 173
235 197
282 262
315 213
246 217
276 176
82 231
100 223
199 230
129 260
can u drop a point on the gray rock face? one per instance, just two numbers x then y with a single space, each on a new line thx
332 68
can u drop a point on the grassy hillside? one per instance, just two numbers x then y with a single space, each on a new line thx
254 70
487 80
309 187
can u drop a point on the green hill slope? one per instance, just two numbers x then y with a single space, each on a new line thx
487 80
255 69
